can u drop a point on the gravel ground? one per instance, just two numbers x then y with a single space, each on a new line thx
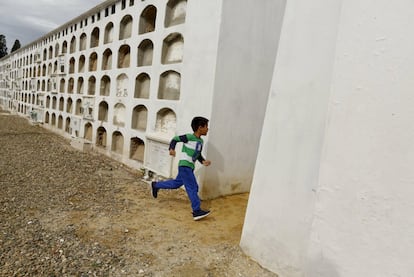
70 213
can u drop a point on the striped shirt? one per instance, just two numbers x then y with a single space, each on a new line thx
191 150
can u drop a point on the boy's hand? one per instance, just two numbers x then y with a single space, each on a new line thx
206 162
172 152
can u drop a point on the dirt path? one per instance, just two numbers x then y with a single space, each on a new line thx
69 213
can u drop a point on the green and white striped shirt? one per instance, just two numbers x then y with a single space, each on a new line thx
191 150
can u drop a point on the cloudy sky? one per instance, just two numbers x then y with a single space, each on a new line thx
27 20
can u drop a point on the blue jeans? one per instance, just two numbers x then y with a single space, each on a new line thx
185 177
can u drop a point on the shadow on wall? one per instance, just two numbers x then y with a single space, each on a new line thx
211 187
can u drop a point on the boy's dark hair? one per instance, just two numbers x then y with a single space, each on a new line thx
198 121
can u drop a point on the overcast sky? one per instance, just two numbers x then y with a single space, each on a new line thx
28 20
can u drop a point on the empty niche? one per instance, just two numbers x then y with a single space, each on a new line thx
62 85
73 45
175 12
122 85
67 126
119 115
169 86
82 42
49 85
88 131
101 137
48 102
93 61
117 142
147 20
172 49
50 52
139 118
107 59
103 111
109 33
44 69
91 85
145 52
125 27
54 101
72 65
142 86
61 103
80 85
69 105
49 68
105 86
53 121
95 37
166 121
137 149
64 47
60 122
71 84
78 108
124 56
81 66
56 50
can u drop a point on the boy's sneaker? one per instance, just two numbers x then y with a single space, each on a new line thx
154 189
199 214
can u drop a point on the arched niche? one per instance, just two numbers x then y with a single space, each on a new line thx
145 53
172 49
56 50
101 137
62 85
72 65
53 121
61 103
117 142
109 33
91 85
125 27
64 47
175 12
105 86
147 19
95 37
93 61
47 117
88 131
137 149
119 115
139 118
124 55
169 85
142 86
81 66
166 121
78 107
69 105
82 42
107 59
67 125
60 122
73 45
80 85
103 111
71 84
122 85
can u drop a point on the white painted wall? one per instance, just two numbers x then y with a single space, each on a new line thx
333 184
247 46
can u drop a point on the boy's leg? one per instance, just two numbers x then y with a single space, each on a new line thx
169 184
191 187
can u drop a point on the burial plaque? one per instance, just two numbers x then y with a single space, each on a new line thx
157 158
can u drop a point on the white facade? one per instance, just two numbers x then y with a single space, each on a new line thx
126 76
333 184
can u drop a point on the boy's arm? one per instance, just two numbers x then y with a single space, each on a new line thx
174 142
